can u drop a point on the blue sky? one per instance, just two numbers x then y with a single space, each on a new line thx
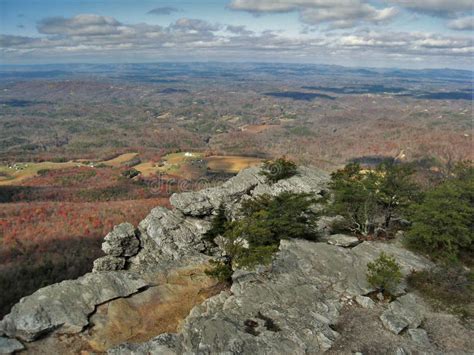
380 33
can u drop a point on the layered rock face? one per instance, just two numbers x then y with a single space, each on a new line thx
150 294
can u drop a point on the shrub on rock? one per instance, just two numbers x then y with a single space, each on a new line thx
281 168
384 273
220 270
218 225
254 238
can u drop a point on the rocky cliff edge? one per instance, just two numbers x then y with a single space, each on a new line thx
150 293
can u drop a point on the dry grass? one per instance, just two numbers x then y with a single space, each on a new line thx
231 164
160 309
176 164
118 161
257 128
28 170
148 168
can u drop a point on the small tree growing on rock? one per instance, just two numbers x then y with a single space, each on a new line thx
368 199
220 270
384 273
255 237
281 168
218 225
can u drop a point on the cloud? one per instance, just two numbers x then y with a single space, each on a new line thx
238 30
187 24
338 14
348 16
167 10
462 24
441 8
407 43
14 41
80 25
92 36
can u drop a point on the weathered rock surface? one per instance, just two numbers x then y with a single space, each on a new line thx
121 241
248 182
9 346
108 263
163 344
202 203
365 302
404 312
290 308
419 336
170 235
158 309
326 225
67 304
307 180
342 240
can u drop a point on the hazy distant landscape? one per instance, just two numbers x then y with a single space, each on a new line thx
96 111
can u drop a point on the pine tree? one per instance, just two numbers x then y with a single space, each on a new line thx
443 223
218 225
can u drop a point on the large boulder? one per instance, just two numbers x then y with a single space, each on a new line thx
170 235
67 305
405 312
121 241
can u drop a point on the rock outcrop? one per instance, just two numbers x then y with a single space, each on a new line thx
67 304
290 307
120 244
150 295
122 241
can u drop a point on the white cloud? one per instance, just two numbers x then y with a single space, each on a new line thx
238 30
415 43
442 8
14 41
339 14
80 25
166 10
462 24
95 36
188 24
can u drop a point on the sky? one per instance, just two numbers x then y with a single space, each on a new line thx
363 33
